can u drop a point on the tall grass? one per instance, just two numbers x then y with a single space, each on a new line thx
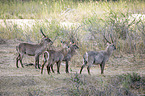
94 17
42 9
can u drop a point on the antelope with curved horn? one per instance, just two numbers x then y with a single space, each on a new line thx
70 54
100 57
53 56
32 50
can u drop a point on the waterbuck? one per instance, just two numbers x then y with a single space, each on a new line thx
70 54
32 50
53 56
100 57
67 58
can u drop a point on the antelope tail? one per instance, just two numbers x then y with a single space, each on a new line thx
47 55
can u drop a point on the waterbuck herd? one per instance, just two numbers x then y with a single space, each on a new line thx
64 54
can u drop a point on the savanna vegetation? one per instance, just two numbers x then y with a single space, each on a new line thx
84 22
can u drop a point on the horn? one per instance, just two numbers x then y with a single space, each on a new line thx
111 38
106 39
42 32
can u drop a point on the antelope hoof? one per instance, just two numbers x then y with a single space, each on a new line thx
53 71
66 71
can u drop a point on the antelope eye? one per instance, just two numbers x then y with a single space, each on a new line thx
49 39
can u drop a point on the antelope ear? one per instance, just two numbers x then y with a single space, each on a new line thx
108 43
45 37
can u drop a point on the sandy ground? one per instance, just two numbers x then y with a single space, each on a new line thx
29 23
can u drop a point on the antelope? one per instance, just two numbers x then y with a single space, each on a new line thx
32 50
53 56
100 57
69 55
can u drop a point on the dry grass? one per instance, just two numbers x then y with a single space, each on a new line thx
29 81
